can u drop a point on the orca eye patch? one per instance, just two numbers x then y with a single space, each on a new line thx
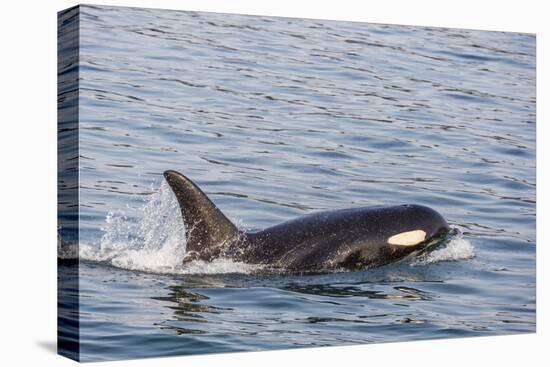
409 238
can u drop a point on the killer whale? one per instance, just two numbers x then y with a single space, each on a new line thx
353 239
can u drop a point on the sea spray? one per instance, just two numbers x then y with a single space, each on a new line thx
154 241
455 248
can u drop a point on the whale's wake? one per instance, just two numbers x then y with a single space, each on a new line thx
155 242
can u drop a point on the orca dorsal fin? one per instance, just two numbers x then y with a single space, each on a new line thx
205 225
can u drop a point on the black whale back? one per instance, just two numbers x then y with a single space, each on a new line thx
328 239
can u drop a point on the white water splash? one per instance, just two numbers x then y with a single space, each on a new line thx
457 248
66 250
155 242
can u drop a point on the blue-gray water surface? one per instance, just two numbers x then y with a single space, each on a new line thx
275 118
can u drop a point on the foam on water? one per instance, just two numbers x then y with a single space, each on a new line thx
152 242
455 248
66 250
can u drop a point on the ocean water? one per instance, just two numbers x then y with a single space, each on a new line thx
275 118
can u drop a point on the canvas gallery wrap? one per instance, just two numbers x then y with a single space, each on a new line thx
240 183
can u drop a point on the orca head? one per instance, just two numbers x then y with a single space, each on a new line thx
403 245
415 241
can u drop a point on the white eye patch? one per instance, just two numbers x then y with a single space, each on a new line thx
409 238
